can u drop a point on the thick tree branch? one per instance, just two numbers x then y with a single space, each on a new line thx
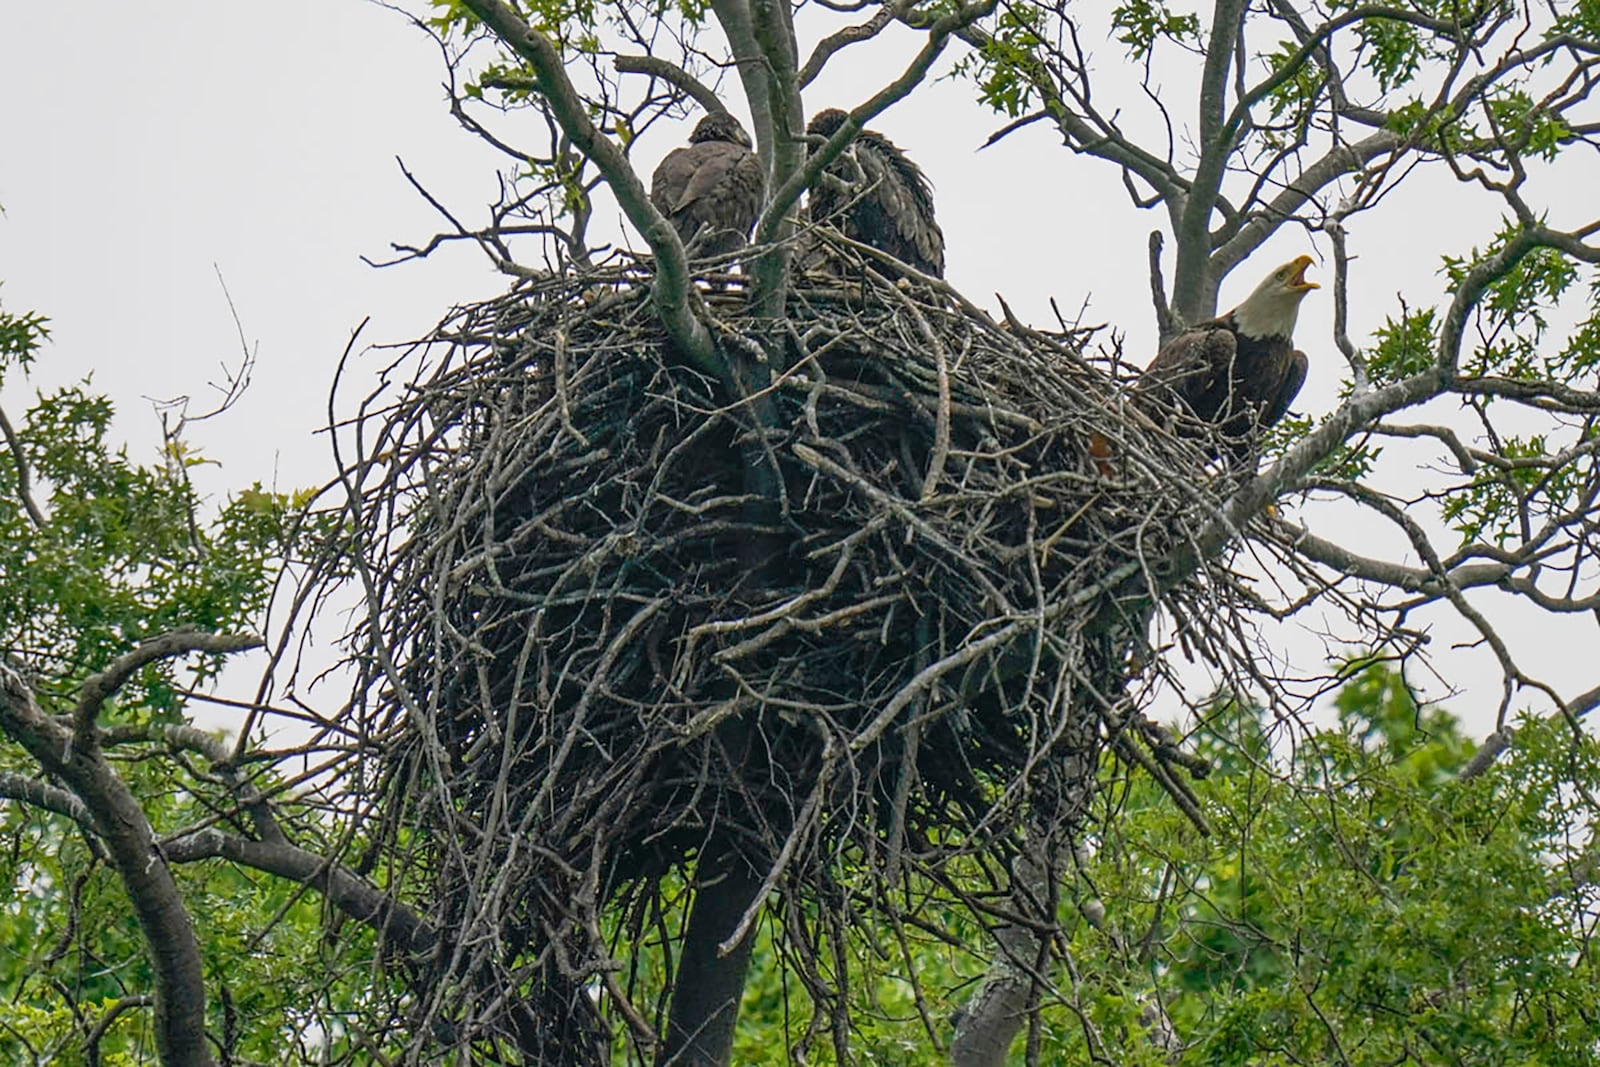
120 822
734 18
1418 580
679 78
1493 746
46 796
344 889
673 290
1194 283
1227 16
989 1021
709 982
773 27
98 687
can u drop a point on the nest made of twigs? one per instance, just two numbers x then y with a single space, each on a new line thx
864 615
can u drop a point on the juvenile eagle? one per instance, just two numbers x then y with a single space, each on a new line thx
711 189
1239 371
885 200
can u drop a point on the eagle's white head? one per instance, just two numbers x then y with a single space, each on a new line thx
1271 310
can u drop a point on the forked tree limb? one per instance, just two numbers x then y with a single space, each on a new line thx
101 685
673 290
130 843
939 34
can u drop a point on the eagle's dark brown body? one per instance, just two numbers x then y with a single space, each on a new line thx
1238 372
879 197
1237 383
711 190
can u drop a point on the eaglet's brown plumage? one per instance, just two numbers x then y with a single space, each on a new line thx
1239 371
712 188
891 209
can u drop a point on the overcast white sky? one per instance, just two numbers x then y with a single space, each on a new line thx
147 147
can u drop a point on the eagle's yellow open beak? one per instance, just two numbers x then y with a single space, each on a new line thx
1297 280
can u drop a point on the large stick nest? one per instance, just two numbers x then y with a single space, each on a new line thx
858 619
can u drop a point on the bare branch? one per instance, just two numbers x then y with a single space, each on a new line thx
1085 135
1264 221
97 687
835 42
344 889
670 72
1334 228
735 19
1169 325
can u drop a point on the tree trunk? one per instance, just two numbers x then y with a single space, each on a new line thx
989 1022
706 991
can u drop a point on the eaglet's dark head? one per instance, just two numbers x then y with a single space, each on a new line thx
826 123
719 126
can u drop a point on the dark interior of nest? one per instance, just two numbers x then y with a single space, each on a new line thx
645 610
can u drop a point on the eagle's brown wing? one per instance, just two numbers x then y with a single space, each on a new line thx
1193 368
671 178
896 214
716 186
1291 378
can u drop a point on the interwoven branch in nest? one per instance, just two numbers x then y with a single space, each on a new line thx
610 647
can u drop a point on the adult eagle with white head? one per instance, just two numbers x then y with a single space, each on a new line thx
1239 371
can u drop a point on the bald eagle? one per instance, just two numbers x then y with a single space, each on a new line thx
890 205
1239 371
711 189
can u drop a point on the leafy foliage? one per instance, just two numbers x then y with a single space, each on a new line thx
123 554
1359 903
1360 900
1002 69
20 336
1404 346
1140 23
127 551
